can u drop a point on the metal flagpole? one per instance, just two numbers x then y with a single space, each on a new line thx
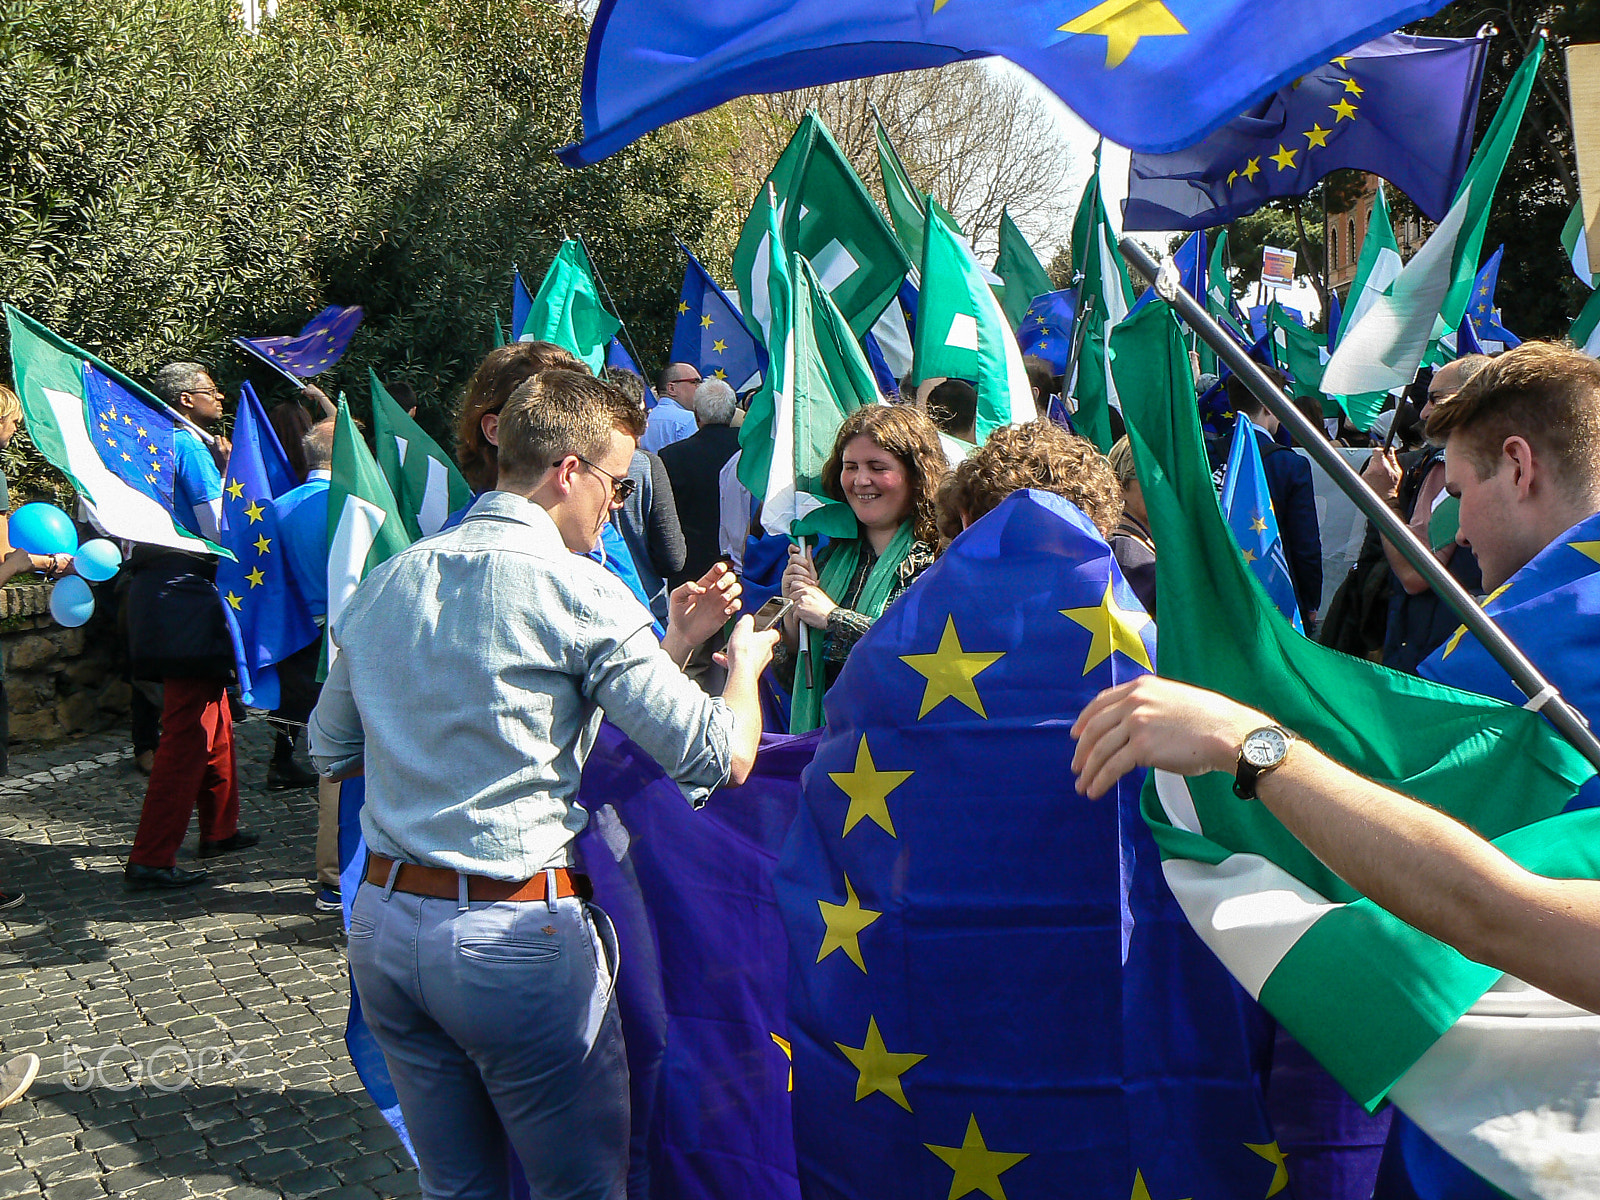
1542 694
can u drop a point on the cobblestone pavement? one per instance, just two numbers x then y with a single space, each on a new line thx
192 1043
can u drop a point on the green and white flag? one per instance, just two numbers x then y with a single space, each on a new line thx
1575 240
1020 270
52 376
1585 331
816 376
962 333
426 485
1299 351
1383 346
1389 1011
1104 297
826 216
364 522
567 309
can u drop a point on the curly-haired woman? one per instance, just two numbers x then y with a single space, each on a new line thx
1038 455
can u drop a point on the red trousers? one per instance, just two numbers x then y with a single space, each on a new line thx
194 767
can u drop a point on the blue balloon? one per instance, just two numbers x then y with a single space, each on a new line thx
97 560
43 529
71 603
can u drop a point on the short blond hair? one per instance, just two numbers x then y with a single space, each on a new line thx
10 406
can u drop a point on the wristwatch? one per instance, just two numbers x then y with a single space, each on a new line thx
1263 750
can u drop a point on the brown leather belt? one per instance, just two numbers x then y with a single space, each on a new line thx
444 884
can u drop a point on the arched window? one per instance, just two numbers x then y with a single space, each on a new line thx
1333 247
1351 245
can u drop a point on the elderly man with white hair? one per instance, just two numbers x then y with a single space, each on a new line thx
693 465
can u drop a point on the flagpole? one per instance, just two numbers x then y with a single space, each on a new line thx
601 280
1080 325
1543 696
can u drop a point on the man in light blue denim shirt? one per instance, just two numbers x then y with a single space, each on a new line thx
471 674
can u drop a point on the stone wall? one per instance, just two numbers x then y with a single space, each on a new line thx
59 682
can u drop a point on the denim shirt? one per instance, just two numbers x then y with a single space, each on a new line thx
473 671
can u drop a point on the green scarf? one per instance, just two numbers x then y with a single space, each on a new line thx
805 714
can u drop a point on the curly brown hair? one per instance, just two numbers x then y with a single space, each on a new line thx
906 433
1039 455
491 386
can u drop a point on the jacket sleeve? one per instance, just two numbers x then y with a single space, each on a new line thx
663 532
1297 521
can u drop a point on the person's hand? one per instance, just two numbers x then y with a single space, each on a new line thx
1154 722
319 397
54 566
699 608
811 605
221 450
1382 474
747 650
800 570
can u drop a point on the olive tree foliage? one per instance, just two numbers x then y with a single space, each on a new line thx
169 180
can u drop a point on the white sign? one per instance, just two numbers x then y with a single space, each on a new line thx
1277 267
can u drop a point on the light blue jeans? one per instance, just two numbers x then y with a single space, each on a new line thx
498 1015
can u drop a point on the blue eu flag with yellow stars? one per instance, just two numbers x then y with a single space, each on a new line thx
992 991
1401 107
709 333
133 439
1487 327
1247 505
314 349
1046 329
272 619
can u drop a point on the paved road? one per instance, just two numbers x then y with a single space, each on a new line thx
192 1043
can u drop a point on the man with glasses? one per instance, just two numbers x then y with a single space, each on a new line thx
672 419
483 971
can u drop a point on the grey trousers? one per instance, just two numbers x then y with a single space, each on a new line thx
498 1015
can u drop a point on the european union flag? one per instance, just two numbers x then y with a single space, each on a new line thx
133 439
617 356
1046 329
711 335
272 619
1485 317
1190 259
314 349
991 988
1401 107
1247 504
1117 63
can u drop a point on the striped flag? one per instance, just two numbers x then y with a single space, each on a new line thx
1104 297
426 485
364 522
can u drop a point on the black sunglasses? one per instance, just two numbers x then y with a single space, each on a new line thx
621 489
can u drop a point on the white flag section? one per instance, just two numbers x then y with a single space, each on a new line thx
894 339
435 507
786 504
353 538
115 507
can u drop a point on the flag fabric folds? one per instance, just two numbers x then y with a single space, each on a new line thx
273 619
1190 260
1575 241
521 305
566 309
991 990
1302 354
1379 1004
1247 506
1491 335
1020 270
1104 297
617 356
1585 331
1401 107
962 333
104 432
364 522
1046 329
426 485
710 334
1117 64
314 349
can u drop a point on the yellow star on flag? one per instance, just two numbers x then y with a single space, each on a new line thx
844 923
126 420
1252 169
253 510
236 601
1342 62
1122 23
1461 630
788 1052
977 1168
155 466
719 373
868 789
140 432
126 457
1258 523
880 1069
1284 157
1249 556
950 672
1232 175
1275 1156
1140 1191
263 544
235 490
1588 549
112 442
1316 135
682 307
705 321
719 345
256 577
104 428
152 450
1354 88
1114 628
1346 110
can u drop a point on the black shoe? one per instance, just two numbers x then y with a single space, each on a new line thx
11 900
242 840
141 878
284 774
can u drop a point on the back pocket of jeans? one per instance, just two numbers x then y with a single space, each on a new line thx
510 950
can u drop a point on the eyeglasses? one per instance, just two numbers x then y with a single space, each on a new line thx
210 391
621 489
696 380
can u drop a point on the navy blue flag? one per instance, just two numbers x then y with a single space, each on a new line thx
521 305
617 356
1401 107
709 333
1481 310
1118 64
314 349
263 601
1335 318
1046 329
991 988
133 439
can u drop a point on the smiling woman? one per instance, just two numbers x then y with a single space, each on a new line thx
887 465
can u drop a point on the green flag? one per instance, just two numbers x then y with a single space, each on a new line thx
497 335
1104 297
1382 348
1585 332
1297 350
1575 241
426 485
1021 271
826 216
567 309
962 333
364 523
1364 992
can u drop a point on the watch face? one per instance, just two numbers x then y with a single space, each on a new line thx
1265 748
